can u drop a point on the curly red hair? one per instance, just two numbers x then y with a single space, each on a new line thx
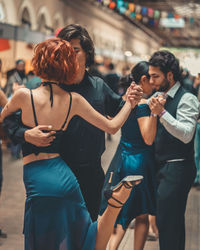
55 60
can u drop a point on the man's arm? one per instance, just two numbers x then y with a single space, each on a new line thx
19 134
183 126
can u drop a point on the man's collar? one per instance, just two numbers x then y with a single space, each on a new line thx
172 91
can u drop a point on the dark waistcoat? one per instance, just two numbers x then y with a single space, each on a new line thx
168 147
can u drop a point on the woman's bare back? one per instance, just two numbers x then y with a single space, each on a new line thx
54 115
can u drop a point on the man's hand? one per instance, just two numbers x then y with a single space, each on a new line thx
134 93
38 138
156 105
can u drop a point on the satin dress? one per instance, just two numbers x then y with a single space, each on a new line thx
134 157
56 217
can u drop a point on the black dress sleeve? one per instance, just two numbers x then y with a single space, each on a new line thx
142 110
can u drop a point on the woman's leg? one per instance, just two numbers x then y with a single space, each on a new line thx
153 230
141 231
106 222
116 237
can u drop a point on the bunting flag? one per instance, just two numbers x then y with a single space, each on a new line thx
122 10
138 9
133 15
146 15
145 19
106 2
112 5
120 4
144 11
164 14
150 12
138 16
156 14
170 15
131 7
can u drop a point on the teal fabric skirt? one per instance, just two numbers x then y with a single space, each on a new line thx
56 217
131 159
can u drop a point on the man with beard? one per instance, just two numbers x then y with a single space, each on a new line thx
174 148
17 79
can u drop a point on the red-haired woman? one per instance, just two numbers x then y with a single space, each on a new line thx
56 217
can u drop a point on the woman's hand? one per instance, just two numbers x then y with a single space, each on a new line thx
134 94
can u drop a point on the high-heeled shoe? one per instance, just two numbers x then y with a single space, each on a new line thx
128 182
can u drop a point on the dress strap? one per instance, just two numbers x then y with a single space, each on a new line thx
51 91
33 106
70 104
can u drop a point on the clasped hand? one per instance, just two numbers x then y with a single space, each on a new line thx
134 94
156 104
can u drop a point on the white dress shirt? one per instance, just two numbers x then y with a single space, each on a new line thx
183 126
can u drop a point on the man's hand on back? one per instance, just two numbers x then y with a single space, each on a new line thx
37 137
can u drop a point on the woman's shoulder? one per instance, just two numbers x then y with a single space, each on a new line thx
22 93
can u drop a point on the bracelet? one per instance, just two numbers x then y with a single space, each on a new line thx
154 115
162 113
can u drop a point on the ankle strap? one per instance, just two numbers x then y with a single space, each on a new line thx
126 185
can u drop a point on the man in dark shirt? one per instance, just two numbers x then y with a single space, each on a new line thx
83 144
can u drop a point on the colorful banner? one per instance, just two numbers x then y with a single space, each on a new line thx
146 15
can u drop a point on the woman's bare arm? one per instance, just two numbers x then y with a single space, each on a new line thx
148 127
3 99
82 108
15 103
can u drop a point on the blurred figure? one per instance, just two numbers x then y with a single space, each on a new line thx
196 86
187 81
112 78
33 81
17 79
3 101
125 73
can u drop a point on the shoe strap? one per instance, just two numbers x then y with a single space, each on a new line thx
114 205
126 185
116 201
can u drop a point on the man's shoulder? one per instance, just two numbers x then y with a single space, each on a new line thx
189 96
96 80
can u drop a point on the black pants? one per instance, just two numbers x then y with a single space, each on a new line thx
91 179
175 180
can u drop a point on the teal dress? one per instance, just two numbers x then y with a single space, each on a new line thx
56 217
134 157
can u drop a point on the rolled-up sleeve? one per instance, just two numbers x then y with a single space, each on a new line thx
183 126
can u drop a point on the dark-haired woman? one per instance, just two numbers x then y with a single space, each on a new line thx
135 155
56 217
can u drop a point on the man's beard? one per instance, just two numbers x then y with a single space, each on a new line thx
164 86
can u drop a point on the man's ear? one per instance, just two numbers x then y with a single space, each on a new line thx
170 76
